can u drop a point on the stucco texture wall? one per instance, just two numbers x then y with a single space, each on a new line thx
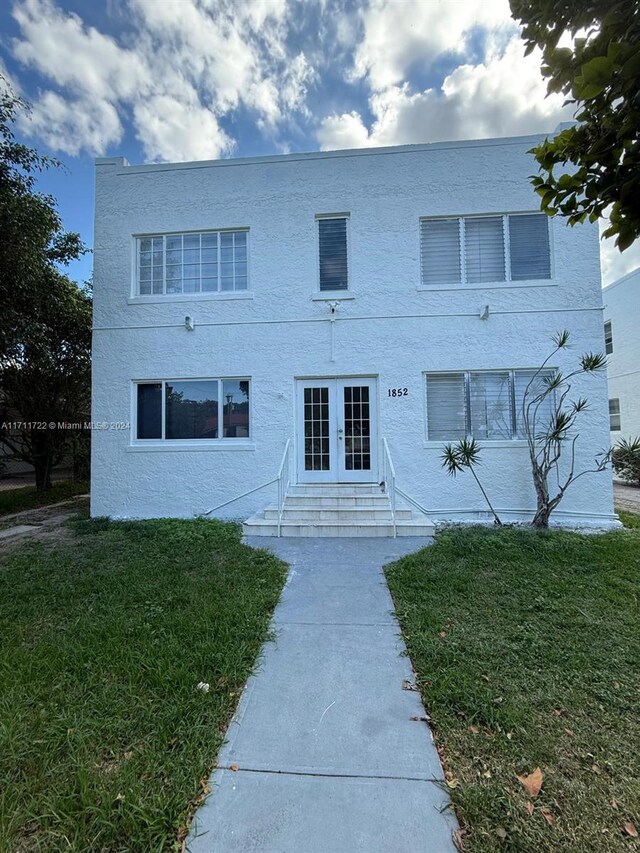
391 329
622 308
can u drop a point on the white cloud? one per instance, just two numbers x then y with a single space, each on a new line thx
175 131
73 125
70 54
342 131
503 96
399 35
185 65
615 264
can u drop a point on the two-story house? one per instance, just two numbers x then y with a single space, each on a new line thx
301 334
621 324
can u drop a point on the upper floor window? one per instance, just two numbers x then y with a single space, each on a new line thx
483 404
209 262
608 337
476 249
332 252
192 409
615 423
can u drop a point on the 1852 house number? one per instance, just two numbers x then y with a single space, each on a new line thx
398 392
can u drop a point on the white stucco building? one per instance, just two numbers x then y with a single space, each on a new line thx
622 339
359 307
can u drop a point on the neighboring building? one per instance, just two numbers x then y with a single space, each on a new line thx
365 306
622 343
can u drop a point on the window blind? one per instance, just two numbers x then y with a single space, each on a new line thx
608 337
490 403
615 423
544 413
529 246
332 246
446 406
484 248
484 404
440 251
509 247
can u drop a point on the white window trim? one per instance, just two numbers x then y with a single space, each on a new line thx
162 443
515 441
333 294
135 295
509 283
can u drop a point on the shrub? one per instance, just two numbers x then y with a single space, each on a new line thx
626 460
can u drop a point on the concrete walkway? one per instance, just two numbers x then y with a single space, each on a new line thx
328 758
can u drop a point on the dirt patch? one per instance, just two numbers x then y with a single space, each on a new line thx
45 523
626 497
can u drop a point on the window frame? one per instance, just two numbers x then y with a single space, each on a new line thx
136 296
223 442
327 294
614 414
608 337
514 440
508 282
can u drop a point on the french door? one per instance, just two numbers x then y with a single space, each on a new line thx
337 438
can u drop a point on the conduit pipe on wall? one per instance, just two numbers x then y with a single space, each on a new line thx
336 319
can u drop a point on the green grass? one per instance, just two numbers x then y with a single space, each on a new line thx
629 519
527 651
105 742
15 500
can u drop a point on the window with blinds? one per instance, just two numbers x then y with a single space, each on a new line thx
477 249
486 404
332 253
608 337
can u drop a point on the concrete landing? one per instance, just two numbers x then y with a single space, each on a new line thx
328 756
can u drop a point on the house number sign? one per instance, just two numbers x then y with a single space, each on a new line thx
398 392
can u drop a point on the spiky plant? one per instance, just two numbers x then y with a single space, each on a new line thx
465 455
547 440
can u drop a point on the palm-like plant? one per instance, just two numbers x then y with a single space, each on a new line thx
465 455
547 437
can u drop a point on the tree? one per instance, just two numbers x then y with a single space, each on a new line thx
45 385
45 323
600 74
34 242
549 417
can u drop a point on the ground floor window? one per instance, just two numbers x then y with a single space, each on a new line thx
192 409
483 404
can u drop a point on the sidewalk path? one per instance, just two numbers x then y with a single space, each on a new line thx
328 758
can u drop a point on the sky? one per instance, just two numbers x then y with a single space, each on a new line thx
175 80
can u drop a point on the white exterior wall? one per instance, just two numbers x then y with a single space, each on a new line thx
391 328
622 308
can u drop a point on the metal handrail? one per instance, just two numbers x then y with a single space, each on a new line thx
390 481
284 480
243 495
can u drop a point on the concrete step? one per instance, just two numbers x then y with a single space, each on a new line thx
336 490
322 513
260 526
371 500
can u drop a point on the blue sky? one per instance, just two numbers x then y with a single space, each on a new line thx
156 80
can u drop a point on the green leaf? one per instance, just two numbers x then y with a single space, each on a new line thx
598 70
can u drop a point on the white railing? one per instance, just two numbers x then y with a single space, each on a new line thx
284 480
389 480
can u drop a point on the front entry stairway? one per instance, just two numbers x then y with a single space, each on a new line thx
338 510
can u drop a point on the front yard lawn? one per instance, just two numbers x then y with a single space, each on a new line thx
526 647
105 740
